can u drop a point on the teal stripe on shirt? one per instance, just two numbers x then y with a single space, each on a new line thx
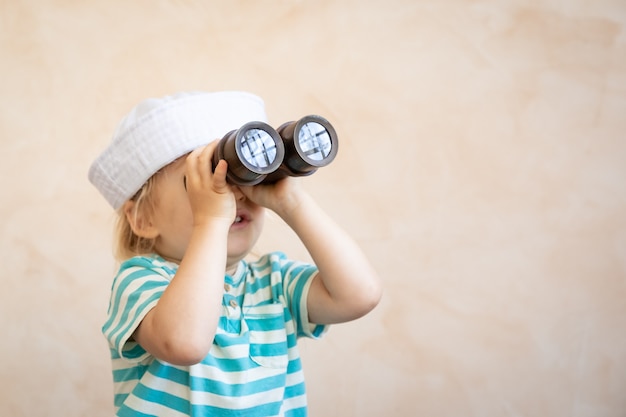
160 397
269 409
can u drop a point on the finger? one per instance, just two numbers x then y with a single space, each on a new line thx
205 160
191 166
212 145
219 176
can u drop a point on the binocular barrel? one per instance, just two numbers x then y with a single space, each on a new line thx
257 153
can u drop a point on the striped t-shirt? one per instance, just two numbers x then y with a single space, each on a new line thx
253 367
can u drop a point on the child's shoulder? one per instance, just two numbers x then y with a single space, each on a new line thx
150 261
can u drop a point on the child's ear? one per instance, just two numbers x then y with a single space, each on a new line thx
140 222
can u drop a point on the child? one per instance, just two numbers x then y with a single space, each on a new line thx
193 328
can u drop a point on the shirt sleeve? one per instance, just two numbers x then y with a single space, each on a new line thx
136 289
297 278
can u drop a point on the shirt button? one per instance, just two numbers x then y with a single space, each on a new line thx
233 303
226 287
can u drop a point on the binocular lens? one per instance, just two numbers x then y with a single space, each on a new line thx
258 148
252 152
315 141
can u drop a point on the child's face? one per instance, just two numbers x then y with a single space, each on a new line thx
173 219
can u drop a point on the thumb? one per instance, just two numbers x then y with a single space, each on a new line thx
219 177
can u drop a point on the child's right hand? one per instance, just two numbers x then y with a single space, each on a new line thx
210 196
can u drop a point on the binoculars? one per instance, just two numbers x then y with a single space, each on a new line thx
257 153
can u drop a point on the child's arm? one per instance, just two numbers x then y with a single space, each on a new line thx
179 328
346 287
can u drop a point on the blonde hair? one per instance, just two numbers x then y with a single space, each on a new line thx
127 243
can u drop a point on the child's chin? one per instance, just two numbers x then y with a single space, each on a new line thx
238 248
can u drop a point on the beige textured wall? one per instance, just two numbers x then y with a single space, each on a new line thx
482 167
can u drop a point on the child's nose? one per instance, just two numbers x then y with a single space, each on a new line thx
239 196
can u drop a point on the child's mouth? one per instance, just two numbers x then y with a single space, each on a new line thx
241 220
